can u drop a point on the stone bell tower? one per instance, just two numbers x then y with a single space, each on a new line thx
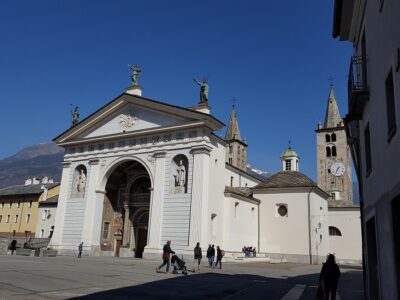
236 148
333 155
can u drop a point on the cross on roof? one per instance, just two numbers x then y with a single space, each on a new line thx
331 79
234 101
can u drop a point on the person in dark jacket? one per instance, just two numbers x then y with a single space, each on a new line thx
329 277
197 257
166 254
208 255
212 257
219 258
13 246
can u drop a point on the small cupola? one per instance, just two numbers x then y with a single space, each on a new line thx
290 160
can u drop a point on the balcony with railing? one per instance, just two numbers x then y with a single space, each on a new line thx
357 87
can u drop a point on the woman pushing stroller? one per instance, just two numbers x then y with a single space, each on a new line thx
165 257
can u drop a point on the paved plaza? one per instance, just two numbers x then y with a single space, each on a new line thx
114 278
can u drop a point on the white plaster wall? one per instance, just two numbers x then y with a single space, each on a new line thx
347 246
47 223
216 196
382 185
241 224
239 179
283 234
291 234
319 233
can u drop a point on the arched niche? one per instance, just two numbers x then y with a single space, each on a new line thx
79 182
179 170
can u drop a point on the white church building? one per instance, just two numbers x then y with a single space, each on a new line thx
138 172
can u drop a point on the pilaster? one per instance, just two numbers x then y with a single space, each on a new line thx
62 202
199 216
94 209
157 199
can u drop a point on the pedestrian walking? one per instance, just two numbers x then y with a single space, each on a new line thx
80 249
197 257
13 246
165 257
220 254
329 276
208 255
212 257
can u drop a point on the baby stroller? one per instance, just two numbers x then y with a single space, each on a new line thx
178 264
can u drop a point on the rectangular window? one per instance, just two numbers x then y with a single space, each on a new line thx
111 146
91 148
44 215
100 147
333 196
106 230
367 147
1 218
28 218
288 165
121 144
390 106
16 219
8 219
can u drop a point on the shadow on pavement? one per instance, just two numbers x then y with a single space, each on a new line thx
223 286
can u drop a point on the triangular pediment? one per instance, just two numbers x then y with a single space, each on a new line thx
129 114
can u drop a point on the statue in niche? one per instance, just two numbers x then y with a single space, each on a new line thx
81 182
203 89
180 177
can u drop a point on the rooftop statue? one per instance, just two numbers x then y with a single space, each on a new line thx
203 89
75 115
135 74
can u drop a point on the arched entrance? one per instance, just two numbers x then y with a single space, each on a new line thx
126 210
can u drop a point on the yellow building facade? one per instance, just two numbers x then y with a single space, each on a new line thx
19 208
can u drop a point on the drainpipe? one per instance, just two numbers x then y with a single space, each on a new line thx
309 224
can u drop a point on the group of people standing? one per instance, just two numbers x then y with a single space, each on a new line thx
214 256
213 259
249 251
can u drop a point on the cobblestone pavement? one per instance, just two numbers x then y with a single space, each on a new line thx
113 278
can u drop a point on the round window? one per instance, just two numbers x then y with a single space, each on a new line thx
282 210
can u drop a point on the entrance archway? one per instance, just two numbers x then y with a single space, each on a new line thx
126 204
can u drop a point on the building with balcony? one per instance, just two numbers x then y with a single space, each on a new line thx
373 28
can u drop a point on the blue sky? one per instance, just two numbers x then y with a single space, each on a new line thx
275 57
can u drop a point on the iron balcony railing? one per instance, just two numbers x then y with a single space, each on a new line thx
358 92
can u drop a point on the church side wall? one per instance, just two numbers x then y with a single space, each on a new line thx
319 220
239 180
347 247
284 237
241 223
216 214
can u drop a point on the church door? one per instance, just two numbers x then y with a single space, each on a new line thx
141 233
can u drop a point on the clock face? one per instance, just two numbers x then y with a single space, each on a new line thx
337 169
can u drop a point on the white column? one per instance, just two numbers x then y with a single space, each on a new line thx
199 215
94 209
157 200
62 202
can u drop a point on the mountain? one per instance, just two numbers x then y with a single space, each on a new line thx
35 161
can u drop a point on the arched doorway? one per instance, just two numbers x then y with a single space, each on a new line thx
127 199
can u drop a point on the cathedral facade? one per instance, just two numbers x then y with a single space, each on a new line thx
138 172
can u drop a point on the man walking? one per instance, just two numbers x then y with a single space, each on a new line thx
166 253
80 248
197 257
